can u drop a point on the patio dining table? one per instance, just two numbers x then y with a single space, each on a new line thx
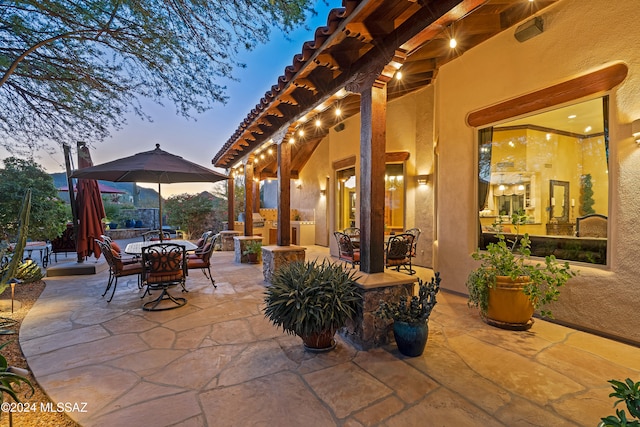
135 248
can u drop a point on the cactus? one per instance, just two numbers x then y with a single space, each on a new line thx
9 272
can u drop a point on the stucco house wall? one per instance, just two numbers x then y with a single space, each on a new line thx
410 129
580 36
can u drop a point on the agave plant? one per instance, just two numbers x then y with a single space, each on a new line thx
308 298
10 379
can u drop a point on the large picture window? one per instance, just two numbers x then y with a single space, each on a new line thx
553 167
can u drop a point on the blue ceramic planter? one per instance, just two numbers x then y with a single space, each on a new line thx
411 338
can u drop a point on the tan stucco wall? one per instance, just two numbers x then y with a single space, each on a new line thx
580 36
409 128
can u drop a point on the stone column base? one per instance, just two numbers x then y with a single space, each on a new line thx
240 244
367 330
275 256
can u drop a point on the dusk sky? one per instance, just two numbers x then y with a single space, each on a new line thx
199 141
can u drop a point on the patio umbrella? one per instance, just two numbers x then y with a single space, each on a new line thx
90 210
155 166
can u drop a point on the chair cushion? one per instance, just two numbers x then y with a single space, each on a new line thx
165 267
197 263
128 269
116 247
397 261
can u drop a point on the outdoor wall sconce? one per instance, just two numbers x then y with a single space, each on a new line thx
635 130
299 185
323 193
529 29
423 179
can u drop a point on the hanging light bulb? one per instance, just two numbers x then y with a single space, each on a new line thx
453 43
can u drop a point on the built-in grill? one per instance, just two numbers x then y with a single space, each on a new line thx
258 220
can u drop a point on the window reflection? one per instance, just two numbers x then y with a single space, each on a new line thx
553 167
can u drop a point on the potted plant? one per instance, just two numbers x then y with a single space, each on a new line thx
411 318
252 250
508 287
312 300
629 393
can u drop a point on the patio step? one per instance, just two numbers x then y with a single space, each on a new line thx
74 268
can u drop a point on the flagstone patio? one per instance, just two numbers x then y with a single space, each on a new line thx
218 362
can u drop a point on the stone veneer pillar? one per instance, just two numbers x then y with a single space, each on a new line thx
367 330
275 256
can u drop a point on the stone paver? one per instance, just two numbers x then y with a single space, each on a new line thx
218 362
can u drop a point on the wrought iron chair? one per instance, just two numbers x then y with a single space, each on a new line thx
354 235
117 268
398 252
416 234
163 265
117 251
202 258
154 235
346 250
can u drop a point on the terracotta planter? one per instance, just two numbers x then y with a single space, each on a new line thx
509 307
252 258
319 342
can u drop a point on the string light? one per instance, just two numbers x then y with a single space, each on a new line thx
453 43
318 123
338 112
398 75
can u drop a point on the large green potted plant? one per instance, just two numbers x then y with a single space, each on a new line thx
410 318
312 300
629 393
508 287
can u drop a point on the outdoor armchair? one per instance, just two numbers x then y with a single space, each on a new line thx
346 250
398 252
202 258
117 268
163 265
153 235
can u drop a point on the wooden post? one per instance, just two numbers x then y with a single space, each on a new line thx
248 196
284 194
231 184
373 122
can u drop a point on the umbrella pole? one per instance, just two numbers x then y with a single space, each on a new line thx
160 212
72 196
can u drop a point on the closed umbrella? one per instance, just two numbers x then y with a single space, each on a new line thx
90 210
155 166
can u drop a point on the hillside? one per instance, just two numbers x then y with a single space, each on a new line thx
148 197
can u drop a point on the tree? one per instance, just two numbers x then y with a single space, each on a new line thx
69 71
586 195
48 214
189 212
